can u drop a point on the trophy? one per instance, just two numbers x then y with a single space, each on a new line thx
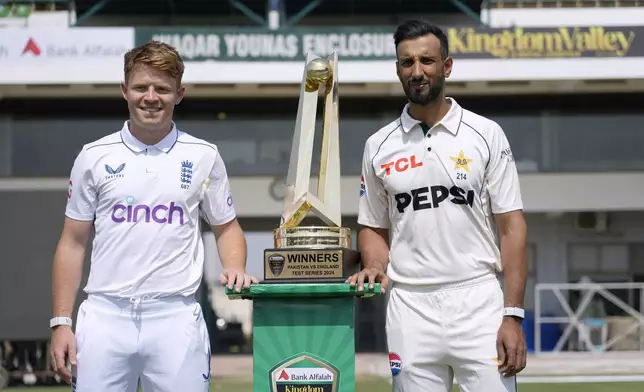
313 254
303 312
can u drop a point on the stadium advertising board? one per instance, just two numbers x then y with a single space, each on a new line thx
63 55
376 43
76 44
231 55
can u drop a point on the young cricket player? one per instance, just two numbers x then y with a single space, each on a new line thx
144 191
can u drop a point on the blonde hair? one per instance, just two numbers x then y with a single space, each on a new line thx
156 54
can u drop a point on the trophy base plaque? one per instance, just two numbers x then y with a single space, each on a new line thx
310 254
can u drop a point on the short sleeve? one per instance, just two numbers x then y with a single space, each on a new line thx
373 208
81 195
217 205
502 176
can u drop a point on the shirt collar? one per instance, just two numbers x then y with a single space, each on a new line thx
136 145
451 121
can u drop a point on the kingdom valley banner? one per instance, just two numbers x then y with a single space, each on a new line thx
376 43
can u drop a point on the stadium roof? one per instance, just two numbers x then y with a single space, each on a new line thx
318 8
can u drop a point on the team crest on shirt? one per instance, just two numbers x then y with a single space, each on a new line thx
114 173
461 162
395 363
186 174
362 186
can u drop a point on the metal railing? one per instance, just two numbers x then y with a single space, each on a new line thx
574 318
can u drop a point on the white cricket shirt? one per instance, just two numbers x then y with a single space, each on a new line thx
146 202
437 194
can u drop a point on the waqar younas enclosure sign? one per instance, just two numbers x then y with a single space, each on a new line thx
376 43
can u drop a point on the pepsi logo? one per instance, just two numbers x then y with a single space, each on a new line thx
395 363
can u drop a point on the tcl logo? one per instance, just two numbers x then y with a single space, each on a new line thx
402 164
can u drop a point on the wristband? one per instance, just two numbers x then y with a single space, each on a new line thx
514 312
56 321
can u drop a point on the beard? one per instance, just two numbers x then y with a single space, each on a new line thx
420 97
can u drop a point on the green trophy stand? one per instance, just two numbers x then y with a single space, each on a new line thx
303 335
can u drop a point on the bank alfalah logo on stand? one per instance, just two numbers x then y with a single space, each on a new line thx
304 372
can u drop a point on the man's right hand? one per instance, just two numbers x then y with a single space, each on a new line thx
63 343
371 275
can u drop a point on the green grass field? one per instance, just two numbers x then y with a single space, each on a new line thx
383 385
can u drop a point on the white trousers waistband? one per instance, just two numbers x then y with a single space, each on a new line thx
141 304
428 288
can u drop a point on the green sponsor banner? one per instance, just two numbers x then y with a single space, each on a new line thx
304 344
376 43
266 45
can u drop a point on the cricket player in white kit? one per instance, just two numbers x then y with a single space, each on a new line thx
437 184
144 189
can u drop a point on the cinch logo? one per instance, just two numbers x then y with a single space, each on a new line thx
431 197
402 164
135 213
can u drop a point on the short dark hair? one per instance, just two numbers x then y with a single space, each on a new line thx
413 28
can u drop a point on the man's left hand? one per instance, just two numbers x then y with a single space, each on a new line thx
511 347
234 277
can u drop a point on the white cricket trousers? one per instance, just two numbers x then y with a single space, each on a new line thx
438 333
163 343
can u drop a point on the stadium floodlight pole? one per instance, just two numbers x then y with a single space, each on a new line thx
274 13
91 12
464 8
248 12
304 11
